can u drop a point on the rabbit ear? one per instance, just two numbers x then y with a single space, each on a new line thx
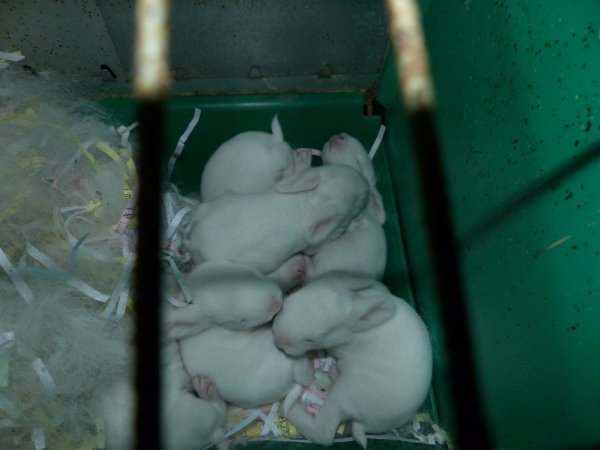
183 322
276 129
304 181
369 312
318 232
375 206
365 166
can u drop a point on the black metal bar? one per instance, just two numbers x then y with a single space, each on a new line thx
147 275
471 430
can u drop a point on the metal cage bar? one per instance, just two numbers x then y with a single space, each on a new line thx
150 85
416 88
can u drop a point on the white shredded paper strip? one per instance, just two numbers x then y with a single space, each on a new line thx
123 299
7 340
21 286
377 142
181 143
269 421
82 287
124 132
326 363
15 57
120 294
74 241
309 397
240 426
39 438
44 376
187 295
175 222
168 205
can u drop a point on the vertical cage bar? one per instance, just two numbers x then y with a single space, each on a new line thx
416 88
150 86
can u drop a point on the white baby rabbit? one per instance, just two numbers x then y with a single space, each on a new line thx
382 351
364 236
358 256
224 294
251 161
193 414
345 149
263 230
246 366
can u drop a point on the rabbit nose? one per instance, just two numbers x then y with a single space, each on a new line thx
280 341
338 140
275 305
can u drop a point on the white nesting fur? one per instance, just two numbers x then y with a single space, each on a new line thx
224 294
57 200
246 366
263 230
251 161
382 351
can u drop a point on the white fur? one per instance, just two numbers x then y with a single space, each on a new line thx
251 161
224 294
246 366
358 256
263 230
364 237
291 273
189 421
382 350
345 149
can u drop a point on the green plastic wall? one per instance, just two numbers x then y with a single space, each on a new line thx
518 97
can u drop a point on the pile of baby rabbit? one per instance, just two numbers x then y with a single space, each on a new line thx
289 260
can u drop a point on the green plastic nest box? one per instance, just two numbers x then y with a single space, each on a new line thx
517 87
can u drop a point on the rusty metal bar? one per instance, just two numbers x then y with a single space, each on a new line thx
416 87
151 80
